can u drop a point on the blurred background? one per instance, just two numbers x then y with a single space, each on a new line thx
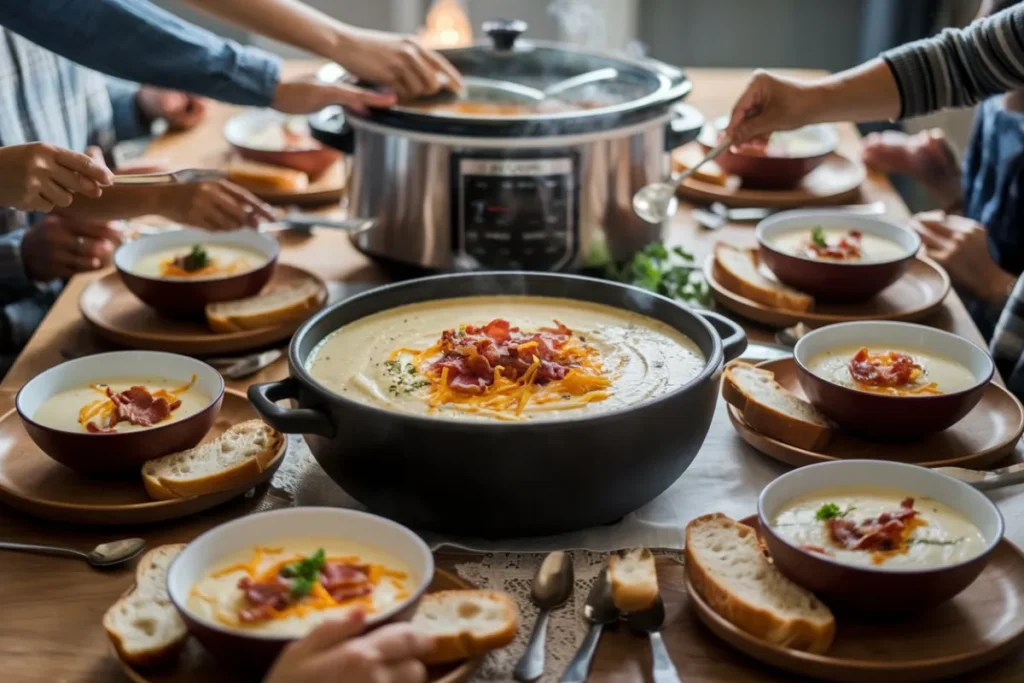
806 34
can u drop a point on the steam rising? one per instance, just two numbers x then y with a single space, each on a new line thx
579 22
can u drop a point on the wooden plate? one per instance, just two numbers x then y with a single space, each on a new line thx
977 627
119 317
31 482
988 434
836 181
326 189
198 666
918 294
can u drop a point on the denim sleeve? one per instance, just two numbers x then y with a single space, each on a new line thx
127 120
137 41
23 303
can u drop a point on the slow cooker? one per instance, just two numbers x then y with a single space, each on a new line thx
532 167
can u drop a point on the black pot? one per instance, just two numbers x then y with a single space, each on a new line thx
502 479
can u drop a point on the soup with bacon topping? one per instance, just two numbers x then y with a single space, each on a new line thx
506 358
834 244
121 405
879 528
288 587
894 371
199 261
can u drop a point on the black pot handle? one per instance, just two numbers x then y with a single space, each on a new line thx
734 339
330 127
684 126
264 398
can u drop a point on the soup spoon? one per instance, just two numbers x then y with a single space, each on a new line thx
655 202
104 555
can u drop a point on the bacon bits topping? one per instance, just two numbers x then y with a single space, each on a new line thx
887 533
137 405
846 248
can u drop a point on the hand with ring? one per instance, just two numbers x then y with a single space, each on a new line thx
60 246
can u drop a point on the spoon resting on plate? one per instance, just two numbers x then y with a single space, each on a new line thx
104 555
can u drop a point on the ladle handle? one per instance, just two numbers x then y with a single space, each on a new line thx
718 149
43 550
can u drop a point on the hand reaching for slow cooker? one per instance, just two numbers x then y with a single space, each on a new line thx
398 62
306 97
336 653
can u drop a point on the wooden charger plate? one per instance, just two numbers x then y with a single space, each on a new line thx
918 294
32 482
326 188
985 436
196 665
976 628
836 181
119 317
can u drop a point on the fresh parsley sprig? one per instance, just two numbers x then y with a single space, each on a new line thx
304 573
828 511
670 271
818 237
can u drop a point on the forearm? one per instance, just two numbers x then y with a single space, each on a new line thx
287 21
138 41
960 67
864 93
122 202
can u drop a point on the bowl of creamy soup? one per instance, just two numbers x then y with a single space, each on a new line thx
249 587
270 137
878 537
892 380
418 397
835 255
179 272
110 412
782 162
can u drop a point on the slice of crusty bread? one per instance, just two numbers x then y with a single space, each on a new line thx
727 568
144 625
688 156
634 580
773 410
287 303
257 177
466 623
738 271
234 458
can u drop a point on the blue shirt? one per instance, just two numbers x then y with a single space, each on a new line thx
138 41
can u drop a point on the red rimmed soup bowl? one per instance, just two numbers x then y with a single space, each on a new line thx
902 583
351 533
835 255
782 163
247 257
49 406
959 369
269 137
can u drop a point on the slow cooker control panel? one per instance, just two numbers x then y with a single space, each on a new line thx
516 213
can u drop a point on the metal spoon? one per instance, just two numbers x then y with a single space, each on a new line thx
104 555
791 335
655 202
186 175
552 587
595 76
987 481
599 610
650 622
251 364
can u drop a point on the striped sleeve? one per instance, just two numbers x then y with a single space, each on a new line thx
960 67
1008 341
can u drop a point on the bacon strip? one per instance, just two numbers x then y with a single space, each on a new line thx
884 533
891 369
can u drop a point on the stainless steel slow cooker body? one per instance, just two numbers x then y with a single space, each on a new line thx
545 190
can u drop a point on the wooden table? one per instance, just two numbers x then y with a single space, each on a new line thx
50 609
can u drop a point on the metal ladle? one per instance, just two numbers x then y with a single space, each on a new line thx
104 555
655 202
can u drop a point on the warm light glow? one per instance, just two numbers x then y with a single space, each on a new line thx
447 25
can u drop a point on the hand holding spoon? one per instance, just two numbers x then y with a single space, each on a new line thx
655 202
104 555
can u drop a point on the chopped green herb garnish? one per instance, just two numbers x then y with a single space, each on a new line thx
828 511
197 259
818 237
304 573
670 271
410 368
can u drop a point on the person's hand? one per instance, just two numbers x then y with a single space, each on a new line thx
927 157
215 205
38 176
60 246
305 97
769 103
335 653
398 62
181 110
960 245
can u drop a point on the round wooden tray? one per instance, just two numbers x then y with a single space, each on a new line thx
976 628
988 434
32 482
836 181
196 665
918 294
119 317
328 188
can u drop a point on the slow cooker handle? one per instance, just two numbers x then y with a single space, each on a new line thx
264 398
684 126
734 338
330 127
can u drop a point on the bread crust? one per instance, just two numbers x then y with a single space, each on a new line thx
455 647
769 421
785 299
292 312
632 595
795 634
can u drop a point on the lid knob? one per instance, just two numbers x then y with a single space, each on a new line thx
504 32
